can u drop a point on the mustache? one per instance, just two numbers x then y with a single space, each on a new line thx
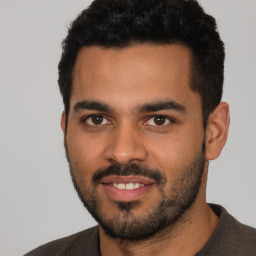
129 169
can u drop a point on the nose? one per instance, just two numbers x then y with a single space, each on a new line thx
126 145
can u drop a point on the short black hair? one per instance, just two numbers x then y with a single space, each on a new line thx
121 23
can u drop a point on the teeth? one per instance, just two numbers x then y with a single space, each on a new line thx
137 185
127 186
120 185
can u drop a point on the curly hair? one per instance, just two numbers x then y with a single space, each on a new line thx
121 23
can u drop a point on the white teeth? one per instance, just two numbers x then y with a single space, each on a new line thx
137 185
127 186
121 186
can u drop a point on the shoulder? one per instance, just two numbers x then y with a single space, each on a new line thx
242 237
81 243
230 237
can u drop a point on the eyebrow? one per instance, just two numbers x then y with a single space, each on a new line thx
162 105
91 105
147 107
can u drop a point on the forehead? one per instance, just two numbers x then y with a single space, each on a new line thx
132 74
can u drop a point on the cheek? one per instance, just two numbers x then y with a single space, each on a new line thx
84 154
173 153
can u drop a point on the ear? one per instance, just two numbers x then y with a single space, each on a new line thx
63 127
217 130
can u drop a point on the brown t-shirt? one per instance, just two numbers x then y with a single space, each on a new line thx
230 238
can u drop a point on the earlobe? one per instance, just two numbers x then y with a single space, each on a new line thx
63 127
63 122
217 130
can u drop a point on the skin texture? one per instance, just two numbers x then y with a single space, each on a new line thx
125 80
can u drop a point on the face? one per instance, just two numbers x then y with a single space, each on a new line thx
135 137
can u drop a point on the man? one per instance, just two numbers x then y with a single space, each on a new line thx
142 83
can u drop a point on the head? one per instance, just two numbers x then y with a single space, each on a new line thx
119 24
141 83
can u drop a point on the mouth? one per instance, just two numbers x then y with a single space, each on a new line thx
126 188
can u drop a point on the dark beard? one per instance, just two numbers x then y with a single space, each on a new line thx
123 224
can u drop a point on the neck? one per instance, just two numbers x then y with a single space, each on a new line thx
185 238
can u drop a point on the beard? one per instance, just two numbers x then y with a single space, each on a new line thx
123 223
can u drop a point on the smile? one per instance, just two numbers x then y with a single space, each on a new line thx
126 188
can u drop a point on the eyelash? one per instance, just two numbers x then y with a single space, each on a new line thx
86 118
166 119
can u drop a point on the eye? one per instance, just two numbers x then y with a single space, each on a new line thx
95 120
158 121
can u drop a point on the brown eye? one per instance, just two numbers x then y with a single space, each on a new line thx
95 120
159 120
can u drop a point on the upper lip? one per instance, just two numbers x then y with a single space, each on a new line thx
127 179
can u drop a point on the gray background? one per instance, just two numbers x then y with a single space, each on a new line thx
37 200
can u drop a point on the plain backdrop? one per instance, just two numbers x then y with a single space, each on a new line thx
37 199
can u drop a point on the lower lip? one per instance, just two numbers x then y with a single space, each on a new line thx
126 195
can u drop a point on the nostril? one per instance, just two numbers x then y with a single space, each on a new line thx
125 145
